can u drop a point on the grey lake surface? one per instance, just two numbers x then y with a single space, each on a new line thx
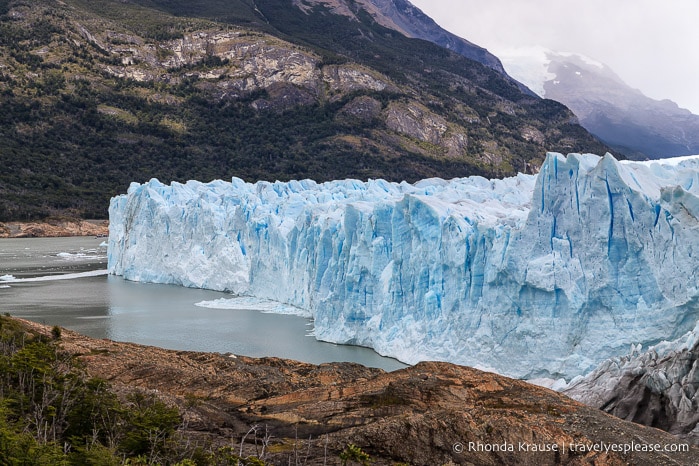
33 286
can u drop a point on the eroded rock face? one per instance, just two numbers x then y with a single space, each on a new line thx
431 413
239 63
418 122
349 78
243 63
657 388
363 108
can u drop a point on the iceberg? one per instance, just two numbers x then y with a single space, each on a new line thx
533 276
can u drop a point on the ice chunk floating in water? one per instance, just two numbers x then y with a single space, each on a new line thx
256 304
531 276
52 278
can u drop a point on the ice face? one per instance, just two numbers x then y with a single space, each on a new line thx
530 276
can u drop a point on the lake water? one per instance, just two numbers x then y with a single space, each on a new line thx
33 286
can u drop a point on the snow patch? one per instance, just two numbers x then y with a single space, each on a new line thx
529 65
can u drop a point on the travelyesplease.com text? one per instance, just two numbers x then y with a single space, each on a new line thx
569 447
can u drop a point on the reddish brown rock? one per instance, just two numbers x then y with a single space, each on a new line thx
428 414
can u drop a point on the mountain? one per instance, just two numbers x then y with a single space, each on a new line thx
406 18
530 276
633 124
97 94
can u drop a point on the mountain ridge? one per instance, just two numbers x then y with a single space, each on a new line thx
623 117
409 20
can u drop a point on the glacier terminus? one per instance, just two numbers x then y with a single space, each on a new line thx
531 276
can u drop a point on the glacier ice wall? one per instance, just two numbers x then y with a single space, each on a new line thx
530 276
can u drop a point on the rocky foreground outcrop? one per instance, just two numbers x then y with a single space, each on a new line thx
428 414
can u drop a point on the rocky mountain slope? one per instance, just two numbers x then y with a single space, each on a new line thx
623 117
94 95
431 413
658 387
406 18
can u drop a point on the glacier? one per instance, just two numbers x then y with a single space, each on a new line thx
531 276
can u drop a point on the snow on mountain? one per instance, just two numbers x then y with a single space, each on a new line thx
535 66
633 124
529 65
530 276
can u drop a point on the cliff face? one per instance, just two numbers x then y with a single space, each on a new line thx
432 413
238 63
246 63
658 387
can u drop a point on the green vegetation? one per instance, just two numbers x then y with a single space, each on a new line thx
354 454
80 156
51 413
145 21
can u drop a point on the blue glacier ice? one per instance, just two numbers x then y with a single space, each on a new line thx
531 276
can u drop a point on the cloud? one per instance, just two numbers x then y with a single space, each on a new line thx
650 44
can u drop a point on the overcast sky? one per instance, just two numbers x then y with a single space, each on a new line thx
653 45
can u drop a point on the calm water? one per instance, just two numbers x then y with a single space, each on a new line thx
105 306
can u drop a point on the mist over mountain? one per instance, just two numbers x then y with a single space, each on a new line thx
97 94
623 117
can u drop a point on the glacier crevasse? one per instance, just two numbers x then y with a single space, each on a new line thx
530 276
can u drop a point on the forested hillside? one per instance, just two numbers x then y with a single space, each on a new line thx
97 94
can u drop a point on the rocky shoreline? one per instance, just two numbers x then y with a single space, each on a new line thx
52 228
430 413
